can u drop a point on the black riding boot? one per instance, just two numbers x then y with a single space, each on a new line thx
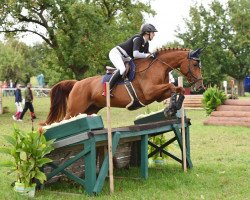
171 110
113 80
180 101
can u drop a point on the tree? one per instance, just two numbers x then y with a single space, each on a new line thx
11 61
224 31
80 33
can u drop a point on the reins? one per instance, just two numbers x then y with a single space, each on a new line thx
176 69
150 64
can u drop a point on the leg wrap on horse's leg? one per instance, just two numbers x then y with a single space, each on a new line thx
180 101
171 109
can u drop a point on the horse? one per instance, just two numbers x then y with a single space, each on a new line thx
151 83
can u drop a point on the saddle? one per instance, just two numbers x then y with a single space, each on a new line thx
126 79
111 70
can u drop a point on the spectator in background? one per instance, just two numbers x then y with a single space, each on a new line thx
4 86
18 102
28 95
40 79
11 86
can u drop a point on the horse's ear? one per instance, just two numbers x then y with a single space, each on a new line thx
196 53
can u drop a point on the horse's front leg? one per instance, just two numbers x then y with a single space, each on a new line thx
161 91
169 90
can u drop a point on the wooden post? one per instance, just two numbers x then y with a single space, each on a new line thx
225 86
111 178
1 99
232 88
184 153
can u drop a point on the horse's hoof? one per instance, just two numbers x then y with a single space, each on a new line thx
179 102
169 113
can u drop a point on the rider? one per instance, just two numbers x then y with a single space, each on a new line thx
135 47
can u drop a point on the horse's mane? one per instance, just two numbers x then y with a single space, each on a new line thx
164 49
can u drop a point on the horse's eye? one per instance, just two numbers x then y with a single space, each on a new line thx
197 64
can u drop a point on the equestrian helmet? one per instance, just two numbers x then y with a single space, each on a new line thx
147 28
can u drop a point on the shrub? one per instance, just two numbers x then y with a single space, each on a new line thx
212 98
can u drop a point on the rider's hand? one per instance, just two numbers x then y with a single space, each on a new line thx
153 55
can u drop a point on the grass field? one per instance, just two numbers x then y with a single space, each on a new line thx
220 155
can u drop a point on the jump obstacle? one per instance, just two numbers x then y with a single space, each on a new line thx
234 112
81 147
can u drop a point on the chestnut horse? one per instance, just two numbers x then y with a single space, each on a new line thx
151 83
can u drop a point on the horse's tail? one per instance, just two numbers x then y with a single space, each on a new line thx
58 101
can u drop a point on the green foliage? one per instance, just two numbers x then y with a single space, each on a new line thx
27 150
224 31
17 61
78 34
212 98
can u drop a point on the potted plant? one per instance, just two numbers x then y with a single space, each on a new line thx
27 150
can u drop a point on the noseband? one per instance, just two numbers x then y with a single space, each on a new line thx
194 79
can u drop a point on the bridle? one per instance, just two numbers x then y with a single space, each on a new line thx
194 79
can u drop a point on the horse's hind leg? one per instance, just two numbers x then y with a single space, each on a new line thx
77 104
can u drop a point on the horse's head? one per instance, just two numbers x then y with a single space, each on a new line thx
191 68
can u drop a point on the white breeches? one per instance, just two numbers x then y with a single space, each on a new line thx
19 107
118 60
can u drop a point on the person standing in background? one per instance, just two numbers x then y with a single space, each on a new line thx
4 86
28 95
18 102
11 86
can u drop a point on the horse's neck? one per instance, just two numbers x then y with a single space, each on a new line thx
166 61
170 59
173 59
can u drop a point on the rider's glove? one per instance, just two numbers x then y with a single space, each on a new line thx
154 55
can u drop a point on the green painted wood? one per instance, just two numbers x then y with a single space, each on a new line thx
81 137
144 156
91 183
160 148
74 127
90 166
68 163
159 116
105 165
70 175
126 134
189 161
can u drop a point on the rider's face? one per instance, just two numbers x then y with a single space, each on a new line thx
152 34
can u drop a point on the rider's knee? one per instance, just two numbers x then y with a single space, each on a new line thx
122 70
